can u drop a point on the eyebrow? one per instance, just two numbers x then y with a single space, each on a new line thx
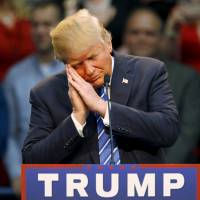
87 57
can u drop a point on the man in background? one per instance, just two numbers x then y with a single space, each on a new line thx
143 37
23 76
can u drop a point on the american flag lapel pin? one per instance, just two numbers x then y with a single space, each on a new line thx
125 81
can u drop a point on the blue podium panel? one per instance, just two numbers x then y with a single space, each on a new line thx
121 182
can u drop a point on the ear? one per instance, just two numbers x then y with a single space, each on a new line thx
109 46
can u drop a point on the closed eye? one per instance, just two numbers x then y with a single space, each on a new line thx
92 57
77 65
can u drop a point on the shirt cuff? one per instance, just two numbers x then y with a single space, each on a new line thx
106 117
78 126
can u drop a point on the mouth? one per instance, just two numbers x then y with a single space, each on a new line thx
93 79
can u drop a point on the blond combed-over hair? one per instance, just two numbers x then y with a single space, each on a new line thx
76 33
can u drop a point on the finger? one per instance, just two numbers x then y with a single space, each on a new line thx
68 76
79 82
67 66
72 91
73 83
76 76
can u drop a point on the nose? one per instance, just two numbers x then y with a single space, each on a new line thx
89 69
39 28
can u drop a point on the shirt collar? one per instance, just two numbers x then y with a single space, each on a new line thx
113 61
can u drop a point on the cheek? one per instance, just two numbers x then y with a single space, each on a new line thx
151 40
132 39
80 71
155 42
98 83
128 40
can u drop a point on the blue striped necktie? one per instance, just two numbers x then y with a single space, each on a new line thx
104 139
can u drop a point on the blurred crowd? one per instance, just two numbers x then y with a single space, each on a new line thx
168 30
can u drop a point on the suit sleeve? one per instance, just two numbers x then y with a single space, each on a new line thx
46 143
159 125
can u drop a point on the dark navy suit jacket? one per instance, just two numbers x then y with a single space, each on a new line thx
143 113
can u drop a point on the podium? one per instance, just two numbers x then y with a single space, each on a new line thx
121 182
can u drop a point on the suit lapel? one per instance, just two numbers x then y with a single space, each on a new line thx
121 80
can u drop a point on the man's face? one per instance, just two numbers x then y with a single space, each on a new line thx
93 63
43 21
142 36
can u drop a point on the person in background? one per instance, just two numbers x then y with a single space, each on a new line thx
23 76
15 34
182 33
162 7
111 13
143 36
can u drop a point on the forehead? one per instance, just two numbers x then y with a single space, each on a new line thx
144 20
48 13
92 50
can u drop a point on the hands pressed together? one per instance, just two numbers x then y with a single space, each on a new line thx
83 96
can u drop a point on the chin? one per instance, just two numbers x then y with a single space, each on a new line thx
98 83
